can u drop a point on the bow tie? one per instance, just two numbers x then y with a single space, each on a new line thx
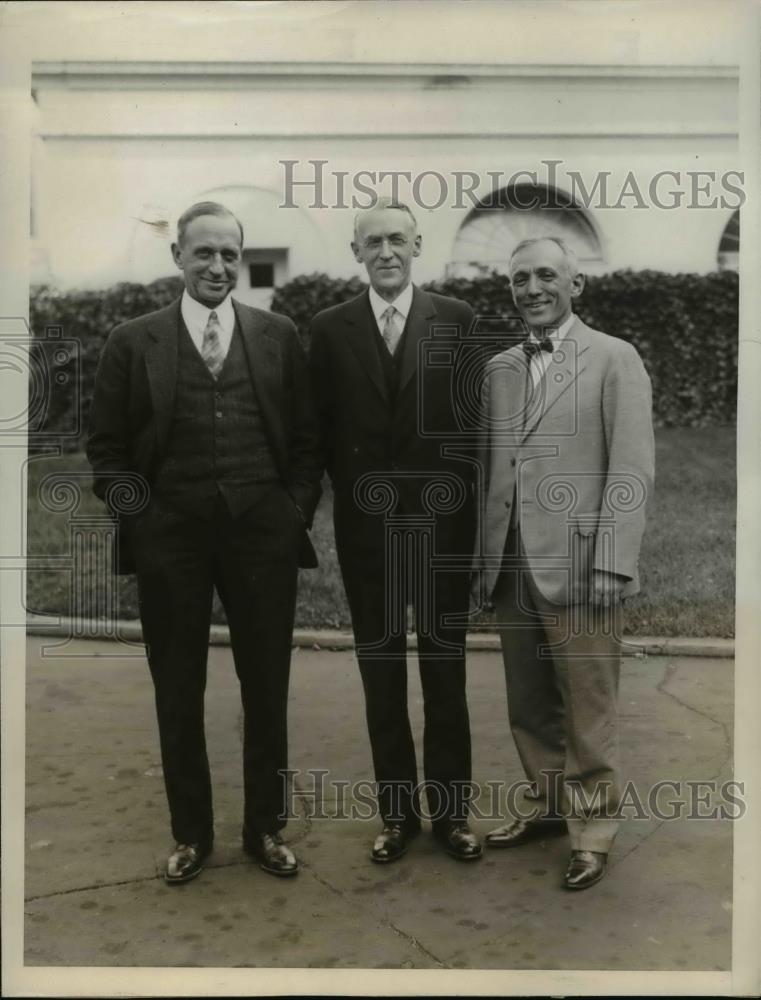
532 347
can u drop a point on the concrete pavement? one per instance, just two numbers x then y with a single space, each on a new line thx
97 833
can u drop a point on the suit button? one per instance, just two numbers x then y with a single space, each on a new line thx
507 504
512 462
218 414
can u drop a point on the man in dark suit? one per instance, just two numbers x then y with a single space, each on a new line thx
208 401
404 515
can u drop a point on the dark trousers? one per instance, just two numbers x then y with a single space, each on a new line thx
252 561
378 586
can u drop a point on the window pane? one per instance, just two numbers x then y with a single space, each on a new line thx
261 275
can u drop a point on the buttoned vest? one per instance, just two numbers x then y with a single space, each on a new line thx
217 442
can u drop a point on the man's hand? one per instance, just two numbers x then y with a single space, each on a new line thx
605 591
477 602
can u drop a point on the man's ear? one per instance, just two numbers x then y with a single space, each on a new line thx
355 249
577 285
417 245
176 256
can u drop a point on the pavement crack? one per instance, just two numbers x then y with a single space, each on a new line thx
159 874
302 797
670 670
324 882
89 888
413 941
408 938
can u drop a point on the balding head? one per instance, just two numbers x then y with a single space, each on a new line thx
572 260
544 279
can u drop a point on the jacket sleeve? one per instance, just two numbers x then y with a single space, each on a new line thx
321 380
108 443
628 427
479 599
303 445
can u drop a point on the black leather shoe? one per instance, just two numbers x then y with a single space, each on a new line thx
391 843
185 863
584 869
460 841
521 831
271 853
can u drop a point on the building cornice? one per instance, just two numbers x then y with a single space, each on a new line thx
125 74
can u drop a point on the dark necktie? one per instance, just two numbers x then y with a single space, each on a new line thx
532 347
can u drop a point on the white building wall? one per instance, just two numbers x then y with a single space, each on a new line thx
93 193
121 142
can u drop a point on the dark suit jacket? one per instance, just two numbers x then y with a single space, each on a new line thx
133 405
412 442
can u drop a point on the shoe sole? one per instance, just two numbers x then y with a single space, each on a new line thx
289 873
465 857
584 885
270 871
181 879
502 845
388 861
456 854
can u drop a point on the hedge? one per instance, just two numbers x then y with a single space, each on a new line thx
683 325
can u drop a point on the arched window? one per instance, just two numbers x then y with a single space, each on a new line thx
491 231
728 258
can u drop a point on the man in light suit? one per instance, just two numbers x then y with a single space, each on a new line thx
568 462
208 401
404 514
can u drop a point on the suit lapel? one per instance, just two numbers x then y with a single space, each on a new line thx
360 333
161 367
422 312
507 416
266 370
563 370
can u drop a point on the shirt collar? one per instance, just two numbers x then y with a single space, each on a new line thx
402 303
558 334
196 314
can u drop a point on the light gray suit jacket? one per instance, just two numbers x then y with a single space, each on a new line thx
576 456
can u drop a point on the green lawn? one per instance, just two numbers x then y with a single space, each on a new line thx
687 559
688 554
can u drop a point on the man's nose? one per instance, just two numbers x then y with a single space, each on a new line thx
385 249
532 285
216 264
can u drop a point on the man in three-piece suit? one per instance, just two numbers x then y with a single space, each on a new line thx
568 461
404 515
208 400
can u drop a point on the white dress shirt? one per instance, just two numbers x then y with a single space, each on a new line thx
196 316
540 361
402 303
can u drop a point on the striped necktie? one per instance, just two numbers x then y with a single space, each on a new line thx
211 349
391 332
